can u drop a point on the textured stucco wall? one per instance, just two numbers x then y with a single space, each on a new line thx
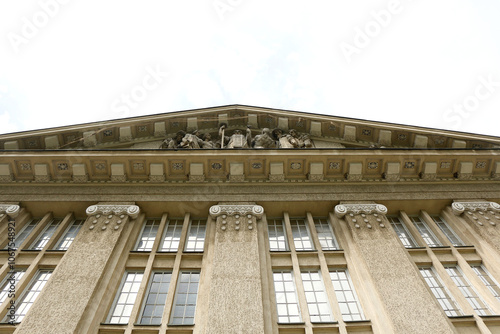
63 300
235 298
405 296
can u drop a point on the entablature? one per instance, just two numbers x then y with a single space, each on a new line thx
248 165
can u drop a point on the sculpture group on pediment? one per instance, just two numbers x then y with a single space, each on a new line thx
268 138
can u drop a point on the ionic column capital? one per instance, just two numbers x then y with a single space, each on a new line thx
117 209
342 209
11 210
236 209
460 207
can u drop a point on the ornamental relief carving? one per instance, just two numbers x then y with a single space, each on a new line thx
238 138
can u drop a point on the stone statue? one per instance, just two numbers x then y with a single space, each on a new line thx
264 140
294 140
191 140
173 142
207 141
237 140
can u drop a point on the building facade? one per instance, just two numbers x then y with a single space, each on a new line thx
240 219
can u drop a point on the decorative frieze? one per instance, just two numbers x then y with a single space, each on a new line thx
11 210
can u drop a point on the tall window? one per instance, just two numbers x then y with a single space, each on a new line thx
70 235
346 296
28 298
446 229
402 232
300 232
196 236
317 301
148 235
185 298
424 230
172 237
468 291
277 239
47 233
156 298
325 234
485 277
440 292
9 283
286 297
19 239
125 298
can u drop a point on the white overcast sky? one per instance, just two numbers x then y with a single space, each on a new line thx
424 62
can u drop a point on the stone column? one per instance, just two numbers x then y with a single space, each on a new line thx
483 217
403 294
235 298
62 302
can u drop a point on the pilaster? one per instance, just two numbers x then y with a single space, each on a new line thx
403 294
483 217
235 269
61 304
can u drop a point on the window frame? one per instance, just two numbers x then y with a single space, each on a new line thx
409 236
139 239
147 292
326 222
41 234
62 239
287 246
118 292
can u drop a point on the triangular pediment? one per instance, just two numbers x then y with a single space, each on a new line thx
149 132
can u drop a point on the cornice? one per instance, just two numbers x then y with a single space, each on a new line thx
123 132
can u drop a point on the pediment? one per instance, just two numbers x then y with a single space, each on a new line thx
149 132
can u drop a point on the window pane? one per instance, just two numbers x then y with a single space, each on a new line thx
125 299
485 277
446 229
440 292
45 236
196 236
287 303
346 296
156 298
172 237
148 235
402 232
277 239
325 234
185 298
70 235
19 238
9 283
30 295
301 238
468 291
424 230
317 301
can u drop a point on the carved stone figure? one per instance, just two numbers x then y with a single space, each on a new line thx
237 140
294 140
173 142
191 140
264 140
207 141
